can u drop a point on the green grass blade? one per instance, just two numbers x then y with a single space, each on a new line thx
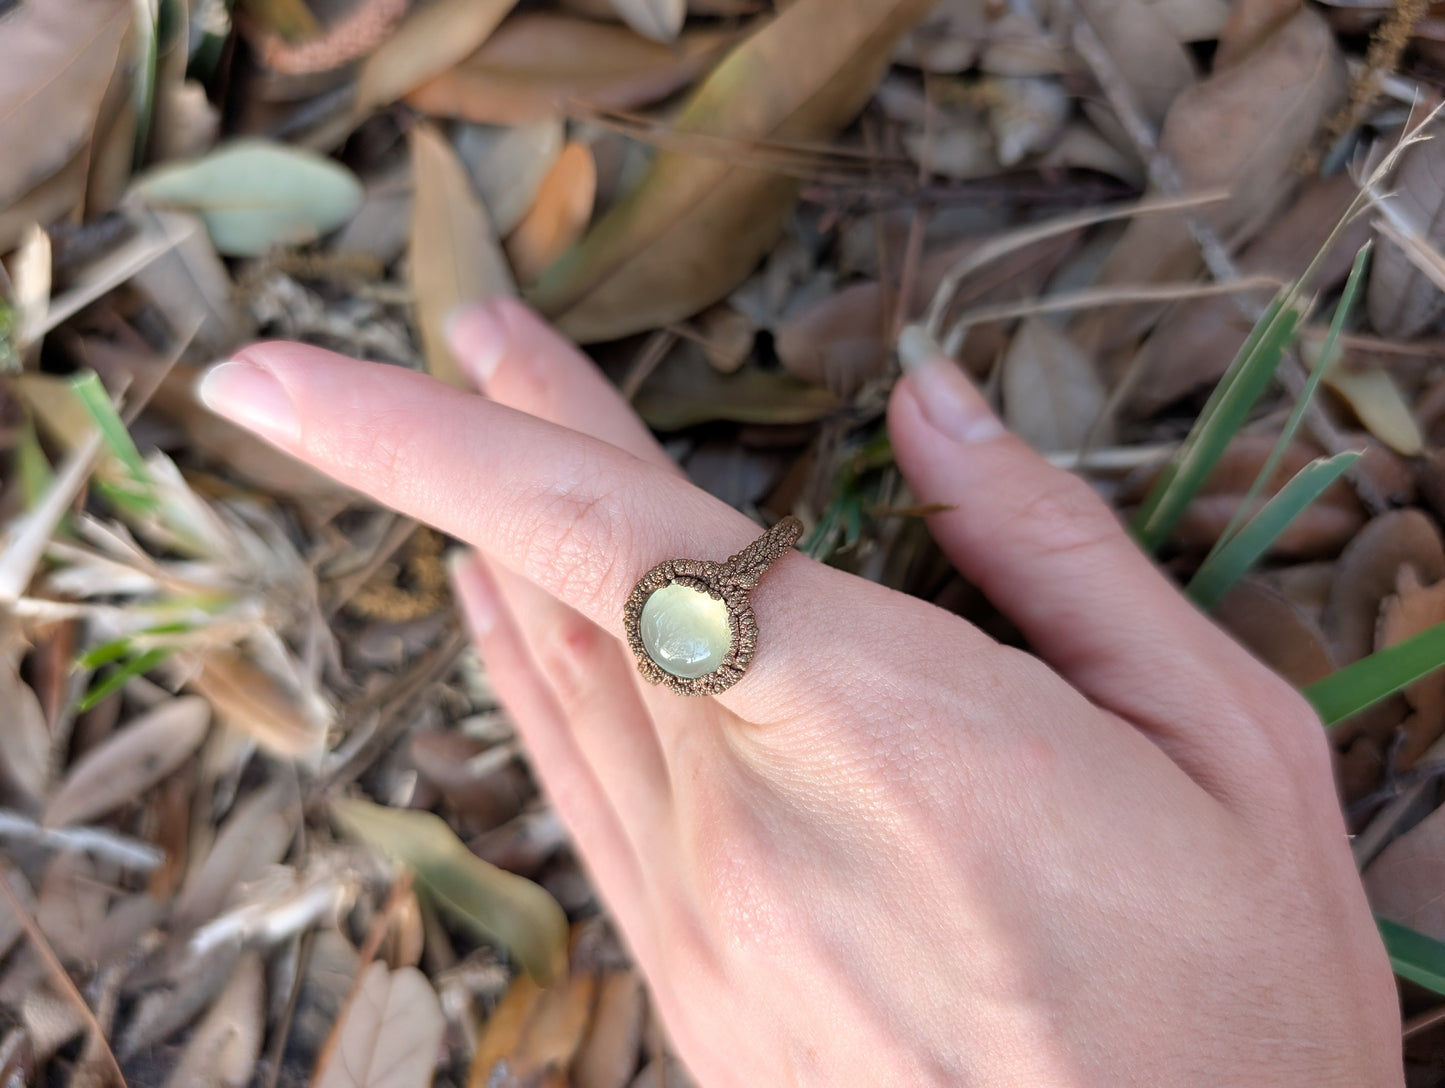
112 428
1297 414
141 663
1228 564
1226 411
1413 955
1345 693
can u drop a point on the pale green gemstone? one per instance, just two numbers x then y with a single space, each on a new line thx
685 631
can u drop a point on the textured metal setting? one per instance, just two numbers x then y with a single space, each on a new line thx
728 582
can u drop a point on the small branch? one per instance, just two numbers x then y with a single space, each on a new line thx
125 852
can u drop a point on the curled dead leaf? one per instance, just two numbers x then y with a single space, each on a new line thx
1368 571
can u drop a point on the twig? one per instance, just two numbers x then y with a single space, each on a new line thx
126 852
646 361
62 978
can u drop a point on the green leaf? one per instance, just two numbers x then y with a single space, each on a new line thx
1225 566
496 905
1228 408
1413 955
1345 693
136 666
254 195
91 393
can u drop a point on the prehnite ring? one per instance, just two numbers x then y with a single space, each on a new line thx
689 621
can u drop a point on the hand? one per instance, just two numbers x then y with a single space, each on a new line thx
896 853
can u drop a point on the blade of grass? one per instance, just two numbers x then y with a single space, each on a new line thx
1226 565
96 400
1413 955
141 663
1327 357
1228 407
1350 690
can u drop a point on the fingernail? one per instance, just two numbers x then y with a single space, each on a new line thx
250 395
475 591
946 397
478 337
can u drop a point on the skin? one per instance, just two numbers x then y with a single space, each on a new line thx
896 853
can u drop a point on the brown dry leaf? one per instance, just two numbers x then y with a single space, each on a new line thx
502 1033
1406 883
1275 630
454 256
727 336
1249 23
1414 609
558 215
685 390
10 927
609 1054
696 225
1243 131
1052 396
485 784
556 1027
56 61
24 736
659 20
248 699
1192 347
1368 572
1377 401
388 1036
539 67
254 837
222 1051
72 905
130 762
431 39
1146 51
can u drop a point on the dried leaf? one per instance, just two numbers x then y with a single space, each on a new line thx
507 165
1275 630
130 762
1377 401
484 783
455 257
222 1051
10 927
502 1034
696 225
685 391
1368 572
494 904
388 1035
659 20
558 215
1051 394
1414 609
56 61
254 195
1147 53
255 836
609 1054
431 39
248 699
72 905
539 66
24 736
1406 883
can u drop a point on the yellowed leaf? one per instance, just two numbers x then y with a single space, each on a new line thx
455 257
539 66
388 1035
1374 397
558 215
494 904
431 39
696 225
502 1033
134 759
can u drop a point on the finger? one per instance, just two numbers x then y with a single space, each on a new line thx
578 517
568 780
591 678
517 360
1047 551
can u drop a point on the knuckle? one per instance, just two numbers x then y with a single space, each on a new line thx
572 656
574 540
1064 517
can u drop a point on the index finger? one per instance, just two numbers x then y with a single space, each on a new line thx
575 515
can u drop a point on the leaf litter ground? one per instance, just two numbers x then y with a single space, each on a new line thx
256 795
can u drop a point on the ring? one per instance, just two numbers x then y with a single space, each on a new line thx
689 621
